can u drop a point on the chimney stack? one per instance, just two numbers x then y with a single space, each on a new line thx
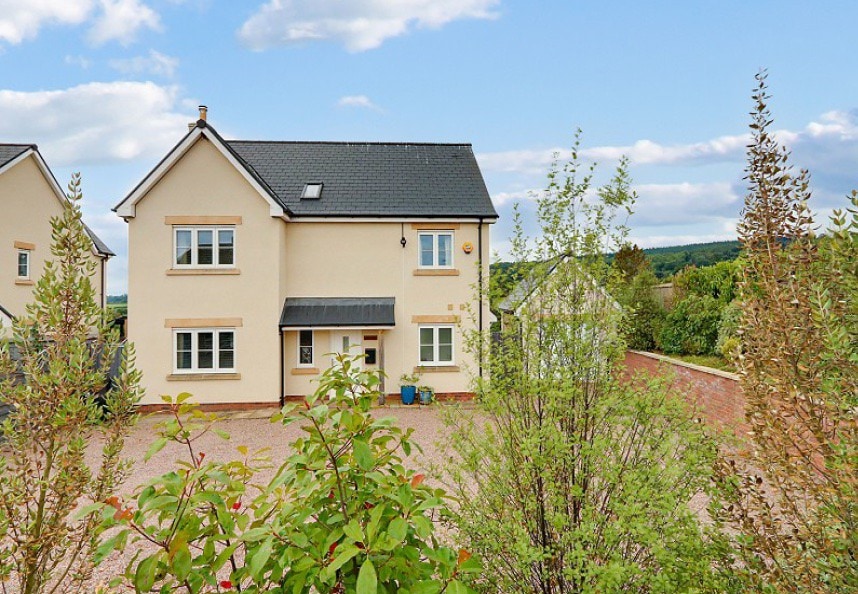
203 112
191 125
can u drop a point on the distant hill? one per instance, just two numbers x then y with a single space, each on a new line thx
667 261
117 299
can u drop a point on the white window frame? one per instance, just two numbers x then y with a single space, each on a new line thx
29 255
435 362
195 332
434 235
312 362
194 231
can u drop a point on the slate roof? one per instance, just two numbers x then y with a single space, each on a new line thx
8 152
369 179
306 312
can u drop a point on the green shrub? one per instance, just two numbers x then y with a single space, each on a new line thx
644 314
729 343
717 281
342 514
691 327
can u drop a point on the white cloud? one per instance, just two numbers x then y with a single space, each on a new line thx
20 21
357 101
120 20
155 63
94 122
80 61
359 25
685 203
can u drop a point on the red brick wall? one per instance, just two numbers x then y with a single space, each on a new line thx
716 395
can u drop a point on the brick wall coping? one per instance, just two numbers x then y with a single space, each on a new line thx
680 363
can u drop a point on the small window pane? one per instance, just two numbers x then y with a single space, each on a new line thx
305 347
226 246
205 249
346 344
183 350
24 264
226 350
445 249
426 250
205 350
426 354
183 247
445 353
426 336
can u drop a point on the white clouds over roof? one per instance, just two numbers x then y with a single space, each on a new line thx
359 25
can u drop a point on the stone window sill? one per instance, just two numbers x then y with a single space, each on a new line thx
193 377
305 371
24 282
437 369
203 271
436 272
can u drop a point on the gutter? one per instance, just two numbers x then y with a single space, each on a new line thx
480 282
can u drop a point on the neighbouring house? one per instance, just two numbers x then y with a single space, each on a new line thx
29 197
252 262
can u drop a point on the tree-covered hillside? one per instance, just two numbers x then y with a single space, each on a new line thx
667 261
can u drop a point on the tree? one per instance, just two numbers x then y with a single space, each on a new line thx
793 493
54 372
631 260
570 478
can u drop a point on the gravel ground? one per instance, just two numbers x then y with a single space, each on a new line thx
254 430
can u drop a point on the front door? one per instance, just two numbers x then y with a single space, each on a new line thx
345 342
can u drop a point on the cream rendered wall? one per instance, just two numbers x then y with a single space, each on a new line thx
204 183
366 259
27 203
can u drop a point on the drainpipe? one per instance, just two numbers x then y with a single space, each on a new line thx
480 281
282 372
103 284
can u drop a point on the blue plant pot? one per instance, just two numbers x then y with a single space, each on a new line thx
426 397
407 394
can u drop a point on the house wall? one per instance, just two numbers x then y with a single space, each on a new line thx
366 259
27 203
204 183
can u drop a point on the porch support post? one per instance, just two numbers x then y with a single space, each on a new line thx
382 389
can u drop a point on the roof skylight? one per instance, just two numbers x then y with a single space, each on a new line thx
312 191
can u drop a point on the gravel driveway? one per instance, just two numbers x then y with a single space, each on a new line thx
254 430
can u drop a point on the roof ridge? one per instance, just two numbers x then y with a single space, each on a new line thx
353 142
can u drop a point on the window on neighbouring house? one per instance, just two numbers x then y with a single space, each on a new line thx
204 350
24 264
204 247
436 345
436 249
305 347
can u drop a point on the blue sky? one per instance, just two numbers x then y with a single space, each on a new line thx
106 87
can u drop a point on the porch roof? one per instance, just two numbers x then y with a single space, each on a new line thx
307 312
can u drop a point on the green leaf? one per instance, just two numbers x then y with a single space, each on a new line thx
363 454
182 563
144 577
258 560
398 529
156 447
367 582
353 531
344 554
457 587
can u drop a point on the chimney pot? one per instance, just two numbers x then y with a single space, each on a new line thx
203 112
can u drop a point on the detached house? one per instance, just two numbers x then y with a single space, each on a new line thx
251 263
29 196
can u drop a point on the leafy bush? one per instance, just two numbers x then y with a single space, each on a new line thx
729 343
691 327
717 281
644 314
342 514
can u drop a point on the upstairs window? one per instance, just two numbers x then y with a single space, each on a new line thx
204 247
436 249
24 264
